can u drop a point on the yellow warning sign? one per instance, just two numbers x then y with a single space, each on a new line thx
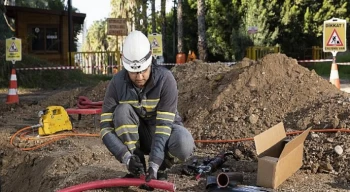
334 35
13 49
156 44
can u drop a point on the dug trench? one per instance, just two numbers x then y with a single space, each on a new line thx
217 102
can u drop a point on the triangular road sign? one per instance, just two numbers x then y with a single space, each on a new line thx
334 39
13 47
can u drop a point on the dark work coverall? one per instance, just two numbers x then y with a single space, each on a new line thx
146 119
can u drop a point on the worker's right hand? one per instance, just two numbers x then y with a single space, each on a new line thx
135 165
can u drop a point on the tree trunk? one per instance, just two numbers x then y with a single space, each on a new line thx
163 21
202 44
153 16
179 27
144 17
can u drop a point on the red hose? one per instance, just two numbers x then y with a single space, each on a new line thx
119 182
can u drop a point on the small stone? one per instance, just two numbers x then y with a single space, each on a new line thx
225 108
329 167
314 135
347 150
338 149
236 105
314 167
253 118
223 121
235 118
330 140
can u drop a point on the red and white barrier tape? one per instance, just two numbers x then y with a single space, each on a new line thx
348 63
111 66
98 67
315 60
47 68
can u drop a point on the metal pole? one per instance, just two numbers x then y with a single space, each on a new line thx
70 28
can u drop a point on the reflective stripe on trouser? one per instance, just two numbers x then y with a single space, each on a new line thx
126 124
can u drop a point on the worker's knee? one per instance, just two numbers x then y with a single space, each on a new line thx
181 144
124 114
123 109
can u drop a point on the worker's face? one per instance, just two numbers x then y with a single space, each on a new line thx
140 78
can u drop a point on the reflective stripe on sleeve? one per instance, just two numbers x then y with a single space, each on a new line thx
131 145
126 129
165 116
128 102
165 130
106 130
106 117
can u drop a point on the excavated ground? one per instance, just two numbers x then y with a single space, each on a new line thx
217 102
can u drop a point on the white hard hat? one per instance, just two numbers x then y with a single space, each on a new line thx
137 55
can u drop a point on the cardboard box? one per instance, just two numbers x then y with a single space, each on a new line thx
278 158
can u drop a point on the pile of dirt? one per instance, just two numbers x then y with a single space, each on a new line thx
223 103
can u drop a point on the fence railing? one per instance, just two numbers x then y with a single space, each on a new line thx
96 63
258 52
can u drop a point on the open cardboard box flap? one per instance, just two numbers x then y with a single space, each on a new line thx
269 138
290 146
274 135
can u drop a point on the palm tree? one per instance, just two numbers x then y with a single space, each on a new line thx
163 21
202 44
153 2
179 27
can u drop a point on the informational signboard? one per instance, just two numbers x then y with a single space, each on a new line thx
13 49
334 35
117 27
156 44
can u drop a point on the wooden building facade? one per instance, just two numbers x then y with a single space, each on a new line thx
44 33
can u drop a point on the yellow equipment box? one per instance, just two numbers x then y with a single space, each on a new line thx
54 119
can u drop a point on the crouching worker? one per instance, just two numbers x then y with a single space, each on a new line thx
139 114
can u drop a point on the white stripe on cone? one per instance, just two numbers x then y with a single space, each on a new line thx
334 74
12 91
13 78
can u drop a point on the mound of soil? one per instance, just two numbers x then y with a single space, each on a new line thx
217 102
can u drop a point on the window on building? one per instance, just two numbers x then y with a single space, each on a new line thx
44 39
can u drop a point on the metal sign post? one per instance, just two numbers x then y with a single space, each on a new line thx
13 54
117 27
334 40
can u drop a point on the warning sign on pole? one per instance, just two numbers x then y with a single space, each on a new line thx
13 49
156 44
334 35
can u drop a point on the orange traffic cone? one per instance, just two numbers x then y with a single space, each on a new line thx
12 96
334 77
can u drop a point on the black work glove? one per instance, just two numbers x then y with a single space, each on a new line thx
151 174
135 165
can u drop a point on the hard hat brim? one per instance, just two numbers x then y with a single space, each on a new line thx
142 67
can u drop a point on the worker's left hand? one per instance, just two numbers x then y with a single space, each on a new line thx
151 174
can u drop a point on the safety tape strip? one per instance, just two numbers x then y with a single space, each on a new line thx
316 60
348 63
100 67
165 64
